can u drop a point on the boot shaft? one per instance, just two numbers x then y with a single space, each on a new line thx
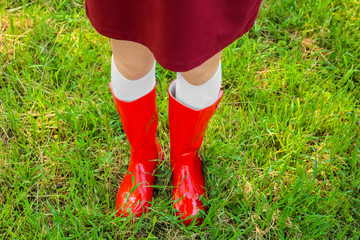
139 119
187 127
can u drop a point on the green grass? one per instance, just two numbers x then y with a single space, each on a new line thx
281 155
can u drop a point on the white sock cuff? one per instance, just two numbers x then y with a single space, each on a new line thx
199 97
130 90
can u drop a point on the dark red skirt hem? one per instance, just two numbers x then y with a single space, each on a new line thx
172 66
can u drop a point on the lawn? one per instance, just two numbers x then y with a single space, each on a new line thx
281 155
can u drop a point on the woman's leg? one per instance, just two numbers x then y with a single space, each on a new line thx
133 60
193 99
201 74
133 88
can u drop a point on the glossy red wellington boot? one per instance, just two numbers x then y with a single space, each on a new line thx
187 130
139 119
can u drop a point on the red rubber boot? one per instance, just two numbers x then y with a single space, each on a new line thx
187 130
139 119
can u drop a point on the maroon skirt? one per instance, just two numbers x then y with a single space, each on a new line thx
182 34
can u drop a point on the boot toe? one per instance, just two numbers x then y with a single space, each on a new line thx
188 210
136 202
133 207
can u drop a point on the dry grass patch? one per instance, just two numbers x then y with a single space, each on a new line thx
10 27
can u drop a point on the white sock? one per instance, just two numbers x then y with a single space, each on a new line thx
130 90
198 97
